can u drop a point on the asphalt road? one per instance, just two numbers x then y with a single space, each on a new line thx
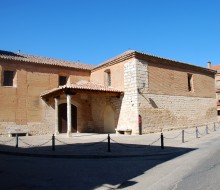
52 173
188 169
205 175
197 170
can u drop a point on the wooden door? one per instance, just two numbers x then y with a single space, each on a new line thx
62 113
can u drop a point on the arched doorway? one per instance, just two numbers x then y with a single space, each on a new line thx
62 115
109 120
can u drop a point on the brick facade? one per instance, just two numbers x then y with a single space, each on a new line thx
154 88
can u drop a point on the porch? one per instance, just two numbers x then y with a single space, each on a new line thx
84 107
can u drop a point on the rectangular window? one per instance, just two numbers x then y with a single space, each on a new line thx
108 78
62 80
218 112
190 82
8 78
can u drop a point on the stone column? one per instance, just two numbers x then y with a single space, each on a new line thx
56 115
69 115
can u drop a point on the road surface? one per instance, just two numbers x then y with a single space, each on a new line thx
188 169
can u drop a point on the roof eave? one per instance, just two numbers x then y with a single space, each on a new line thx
47 64
59 91
147 57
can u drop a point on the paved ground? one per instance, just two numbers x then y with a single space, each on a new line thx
95 145
125 167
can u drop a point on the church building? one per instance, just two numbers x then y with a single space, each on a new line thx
133 93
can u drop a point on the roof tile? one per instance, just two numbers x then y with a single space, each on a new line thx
84 86
43 60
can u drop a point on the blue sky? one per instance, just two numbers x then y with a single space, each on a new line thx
92 31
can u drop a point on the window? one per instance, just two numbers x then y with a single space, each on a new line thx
8 78
218 112
62 80
107 77
190 82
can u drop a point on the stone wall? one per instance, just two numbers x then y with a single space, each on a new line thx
98 106
164 101
128 116
171 112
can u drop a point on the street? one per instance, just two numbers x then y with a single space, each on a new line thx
198 169
192 168
51 173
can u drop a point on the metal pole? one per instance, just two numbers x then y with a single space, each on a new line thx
197 133
53 142
162 141
182 136
16 140
109 148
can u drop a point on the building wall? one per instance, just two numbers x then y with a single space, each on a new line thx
99 104
170 80
166 102
217 88
128 114
157 92
117 75
21 105
169 112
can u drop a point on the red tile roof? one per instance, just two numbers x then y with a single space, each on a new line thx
216 67
86 86
150 58
43 60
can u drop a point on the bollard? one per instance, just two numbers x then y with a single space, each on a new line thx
197 133
109 148
162 142
182 136
53 142
16 140
207 130
214 127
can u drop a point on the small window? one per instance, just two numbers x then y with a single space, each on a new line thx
218 112
8 78
190 82
108 77
62 80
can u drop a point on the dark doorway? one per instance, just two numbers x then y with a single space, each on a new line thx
63 118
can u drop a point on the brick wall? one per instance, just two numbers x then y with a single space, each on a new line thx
117 75
166 102
21 105
171 80
159 93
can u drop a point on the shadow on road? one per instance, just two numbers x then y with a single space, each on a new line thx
109 170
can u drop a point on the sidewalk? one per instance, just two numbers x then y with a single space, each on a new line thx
91 145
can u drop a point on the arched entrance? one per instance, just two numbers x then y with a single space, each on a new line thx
62 115
109 120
